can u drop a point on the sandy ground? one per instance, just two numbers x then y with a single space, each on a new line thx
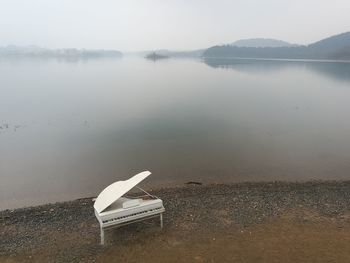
249 222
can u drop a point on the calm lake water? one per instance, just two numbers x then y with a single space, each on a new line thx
69 128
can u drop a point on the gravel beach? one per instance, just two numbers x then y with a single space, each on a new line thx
245 222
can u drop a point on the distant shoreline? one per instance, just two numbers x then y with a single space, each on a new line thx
282 59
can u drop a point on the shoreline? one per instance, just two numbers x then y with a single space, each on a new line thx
163 188
199 221
283 59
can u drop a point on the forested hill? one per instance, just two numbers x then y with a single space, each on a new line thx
335 47
261 42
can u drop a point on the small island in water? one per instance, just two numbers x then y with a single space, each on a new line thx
154 56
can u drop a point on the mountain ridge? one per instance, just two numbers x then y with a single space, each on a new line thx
261 42
336 47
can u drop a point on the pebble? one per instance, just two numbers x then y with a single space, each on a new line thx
206 206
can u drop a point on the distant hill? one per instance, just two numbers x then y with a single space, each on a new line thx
261 42
338 47
38 52
335 47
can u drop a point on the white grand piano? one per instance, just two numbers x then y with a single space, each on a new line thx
112 209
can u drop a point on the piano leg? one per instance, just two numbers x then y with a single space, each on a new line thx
161 220
102 236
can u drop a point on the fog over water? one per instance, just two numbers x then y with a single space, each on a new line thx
69 128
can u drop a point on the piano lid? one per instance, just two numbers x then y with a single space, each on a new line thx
114 191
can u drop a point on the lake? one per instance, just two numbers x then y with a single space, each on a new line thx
69 128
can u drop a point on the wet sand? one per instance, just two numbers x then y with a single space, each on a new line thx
247 222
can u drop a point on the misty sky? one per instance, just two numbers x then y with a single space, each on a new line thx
178 24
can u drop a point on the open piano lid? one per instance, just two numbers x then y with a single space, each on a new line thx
116 190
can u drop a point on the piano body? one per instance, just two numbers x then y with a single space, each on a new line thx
112 209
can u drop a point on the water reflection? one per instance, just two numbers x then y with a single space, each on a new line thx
69 129
335 70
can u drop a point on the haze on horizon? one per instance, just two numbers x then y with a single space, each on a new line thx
178 25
